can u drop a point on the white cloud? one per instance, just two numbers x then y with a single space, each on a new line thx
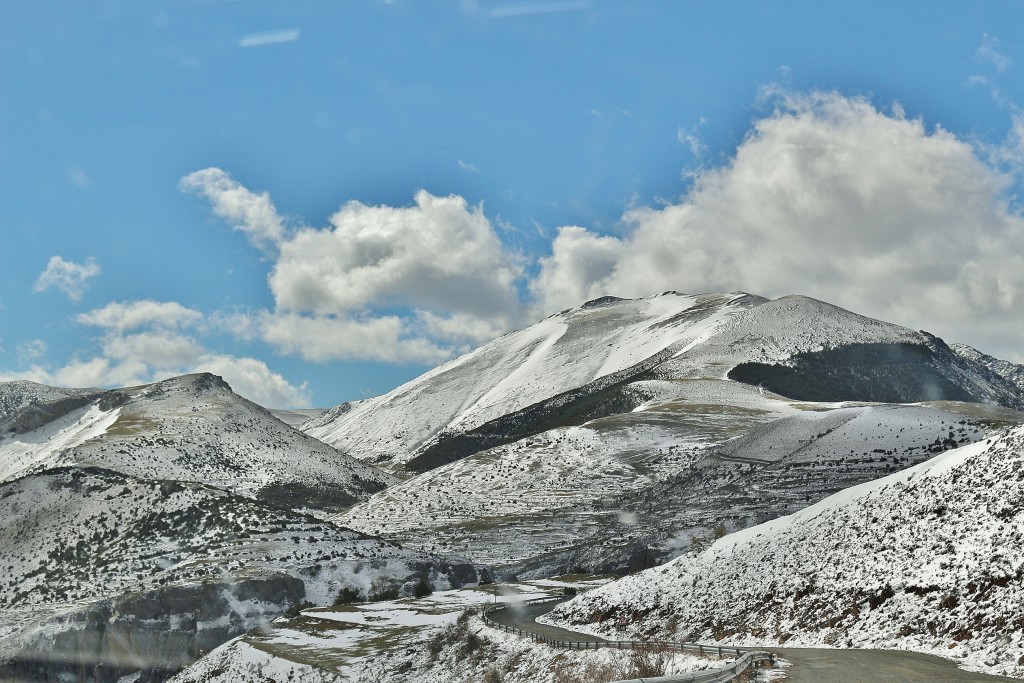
248 212
252 379
989 52
31 350
397 284
438 254
130 315
143 342
829 197
287 35
67 276
323 338
379 282
468 167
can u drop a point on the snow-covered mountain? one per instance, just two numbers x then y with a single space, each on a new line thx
190 428
929 559
1013 372
103 568
600 359
595 346
627 491
141 527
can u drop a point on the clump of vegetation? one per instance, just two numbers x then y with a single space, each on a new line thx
347 595
423 588
295 609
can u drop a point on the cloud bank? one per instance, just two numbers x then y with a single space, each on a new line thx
830 197
827 195
145 341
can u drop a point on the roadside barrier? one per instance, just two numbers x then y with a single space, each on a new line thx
744 658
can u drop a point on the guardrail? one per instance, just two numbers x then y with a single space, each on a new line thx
744 658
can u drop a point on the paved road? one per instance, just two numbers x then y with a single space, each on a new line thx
809 665
875 666
522 616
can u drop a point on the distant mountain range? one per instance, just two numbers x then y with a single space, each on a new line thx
142 526
599 359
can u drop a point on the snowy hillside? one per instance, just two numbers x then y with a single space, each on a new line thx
100 565
625 491
929 559
600 359
1011 371
192 428
566 351
21 393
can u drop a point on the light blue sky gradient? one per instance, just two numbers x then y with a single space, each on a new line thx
539 114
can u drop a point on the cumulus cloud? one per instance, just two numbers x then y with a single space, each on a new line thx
67 276
146 341
412 284
248 212
438 254
129 315
831 197
323 338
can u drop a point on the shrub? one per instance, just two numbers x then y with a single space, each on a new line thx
347 596
423 588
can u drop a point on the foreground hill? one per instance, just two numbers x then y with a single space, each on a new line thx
141 527
132 575
611 356
190 428
928 559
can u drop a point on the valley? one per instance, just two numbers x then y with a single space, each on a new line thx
794 451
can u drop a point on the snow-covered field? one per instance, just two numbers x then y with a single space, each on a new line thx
928 559
425 640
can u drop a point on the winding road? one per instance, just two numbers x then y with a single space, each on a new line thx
809 665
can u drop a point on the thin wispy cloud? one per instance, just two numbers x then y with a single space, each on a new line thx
989 52
519 9
468 167
270 38
67 276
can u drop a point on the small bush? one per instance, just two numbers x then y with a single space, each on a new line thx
423 589
295 609
347 596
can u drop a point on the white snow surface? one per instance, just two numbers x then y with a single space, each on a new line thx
563 352
388 642
190 428
929 559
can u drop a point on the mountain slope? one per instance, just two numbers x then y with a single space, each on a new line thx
190 428
624 492
103 568
928 559
607 339
606 357
1011 371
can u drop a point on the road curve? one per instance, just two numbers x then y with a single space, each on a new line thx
809 665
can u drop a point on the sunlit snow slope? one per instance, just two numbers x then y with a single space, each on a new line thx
928 559
191 428
600 359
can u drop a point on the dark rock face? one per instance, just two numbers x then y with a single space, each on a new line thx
882 373
156 632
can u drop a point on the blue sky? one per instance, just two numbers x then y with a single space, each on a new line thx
321 200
